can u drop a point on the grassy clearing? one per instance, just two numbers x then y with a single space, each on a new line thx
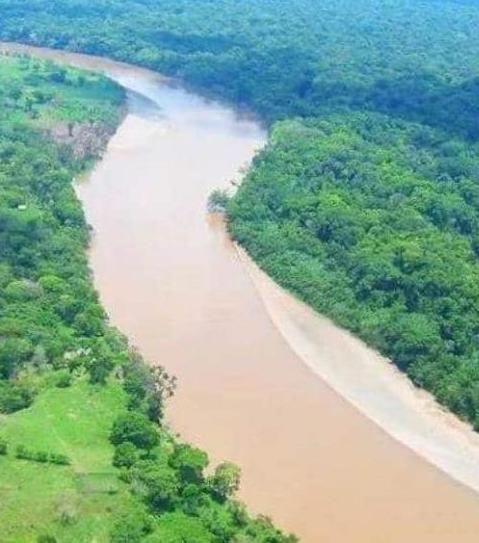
45 93
76 502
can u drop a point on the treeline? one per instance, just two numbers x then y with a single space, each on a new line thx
54 332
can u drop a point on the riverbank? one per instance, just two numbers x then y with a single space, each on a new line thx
371 383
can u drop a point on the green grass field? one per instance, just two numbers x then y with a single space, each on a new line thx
46 93
70 502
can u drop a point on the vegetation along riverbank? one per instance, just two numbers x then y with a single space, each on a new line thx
84 455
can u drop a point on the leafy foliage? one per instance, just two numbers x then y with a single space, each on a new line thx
135 428
415 60
225 480
49 310
126 454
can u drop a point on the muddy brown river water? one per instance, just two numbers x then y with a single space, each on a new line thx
173 282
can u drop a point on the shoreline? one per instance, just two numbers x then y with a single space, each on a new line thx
370 382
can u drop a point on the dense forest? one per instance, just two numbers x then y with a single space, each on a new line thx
365 202
84 455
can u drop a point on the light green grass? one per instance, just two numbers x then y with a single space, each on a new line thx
80 97
33 497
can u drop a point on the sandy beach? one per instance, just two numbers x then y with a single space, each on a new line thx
371 383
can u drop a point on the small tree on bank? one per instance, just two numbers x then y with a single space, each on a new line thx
218 201
225 481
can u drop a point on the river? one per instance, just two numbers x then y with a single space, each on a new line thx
258 372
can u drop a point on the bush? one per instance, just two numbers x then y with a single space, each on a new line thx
22 453
147 387
218 201
135 428
126 454
59 459
63 379
41 456
189 462
225 480
22 290
14 397
132 528
159 483
3 447
99 370
46 539
102 358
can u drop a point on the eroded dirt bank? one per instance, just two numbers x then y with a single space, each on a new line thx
171 280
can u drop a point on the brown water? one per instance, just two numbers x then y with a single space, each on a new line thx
172 281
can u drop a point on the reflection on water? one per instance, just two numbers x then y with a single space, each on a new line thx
173 283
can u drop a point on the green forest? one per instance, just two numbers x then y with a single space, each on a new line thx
364 203
84 455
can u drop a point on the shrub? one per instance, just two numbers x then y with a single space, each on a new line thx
189 462
135 428
14 352
41 456
63 379
22 453
102 358
225 480
22 291
136 380
46 539
14 397
218 201
126 454
159 483
60 459
99 370
132 528
147 387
